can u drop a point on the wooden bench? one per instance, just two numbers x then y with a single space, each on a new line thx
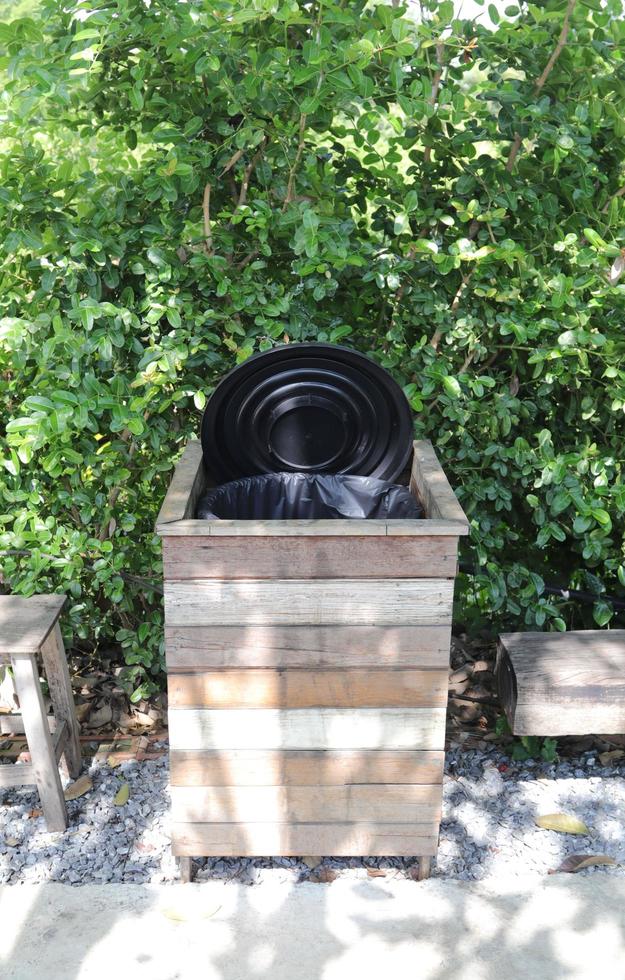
28 627
563 683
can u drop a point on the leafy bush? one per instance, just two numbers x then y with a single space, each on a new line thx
184 183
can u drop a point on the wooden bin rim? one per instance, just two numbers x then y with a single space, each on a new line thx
444 515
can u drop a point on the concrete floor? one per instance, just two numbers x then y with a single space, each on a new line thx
563 926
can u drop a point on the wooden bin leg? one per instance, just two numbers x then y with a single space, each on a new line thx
55 664
425 868
185 869
39 740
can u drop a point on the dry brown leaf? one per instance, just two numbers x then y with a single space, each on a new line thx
33 814
101 717
82 785
563 823
607 758
577 862
83 710
122 795
323 876
376 872
11 841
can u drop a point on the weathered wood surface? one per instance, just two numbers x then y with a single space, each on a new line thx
260 767
429 483
40 744
192 647
563 683
293 602
26 622
57 675
307 728
190 527
265 688
185 488
13 774
231 839
309 557
306 804
13 724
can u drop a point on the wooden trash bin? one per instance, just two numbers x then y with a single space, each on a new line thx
307 674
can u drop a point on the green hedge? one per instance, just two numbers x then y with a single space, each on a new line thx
186 183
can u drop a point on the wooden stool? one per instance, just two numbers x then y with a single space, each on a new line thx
28 627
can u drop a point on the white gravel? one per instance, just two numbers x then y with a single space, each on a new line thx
488 828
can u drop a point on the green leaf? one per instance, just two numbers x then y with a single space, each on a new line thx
452 386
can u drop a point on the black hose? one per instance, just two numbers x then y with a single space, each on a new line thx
574 595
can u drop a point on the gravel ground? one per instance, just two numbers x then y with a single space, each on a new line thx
487 831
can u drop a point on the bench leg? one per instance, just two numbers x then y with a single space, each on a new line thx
57 674
39 740
425 867
185 869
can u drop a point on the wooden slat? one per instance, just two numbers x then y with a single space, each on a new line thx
212 557
26 622
59 740
307 728
190 647
263 688
17 775
429 483
57 675
13 724
306 804
189 527
264 840
309 602
563 683
185 488
258 767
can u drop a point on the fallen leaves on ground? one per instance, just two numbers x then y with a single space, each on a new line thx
122 795
376 872
577 862
607 758
11 841
563 823
81 786
323 876
311 862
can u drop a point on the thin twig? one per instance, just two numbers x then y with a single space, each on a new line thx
247 175
555 54
208 234
455 303
619 193
436 84
298 156
231 162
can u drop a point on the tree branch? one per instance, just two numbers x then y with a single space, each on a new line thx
555 54
208 234
290 187
436 84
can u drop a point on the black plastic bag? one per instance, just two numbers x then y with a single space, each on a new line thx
308 496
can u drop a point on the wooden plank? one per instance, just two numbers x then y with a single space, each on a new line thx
258 767
185 488
188 527
13 774
57 675
26 622
39 740
190 647
296 688
306 804
307 728
563 683
293 602
59 740
363 556
429 483
13 724
339 839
